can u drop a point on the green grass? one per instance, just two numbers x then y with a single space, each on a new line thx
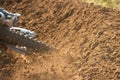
105 3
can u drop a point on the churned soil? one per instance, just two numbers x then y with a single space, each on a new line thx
86 36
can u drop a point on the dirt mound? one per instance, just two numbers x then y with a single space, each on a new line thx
86 36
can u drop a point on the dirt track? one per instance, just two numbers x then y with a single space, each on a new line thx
87 38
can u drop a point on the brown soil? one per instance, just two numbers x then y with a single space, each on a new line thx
87 38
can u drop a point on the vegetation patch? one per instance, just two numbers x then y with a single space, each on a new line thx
105 3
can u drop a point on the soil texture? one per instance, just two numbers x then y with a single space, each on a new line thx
86 38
